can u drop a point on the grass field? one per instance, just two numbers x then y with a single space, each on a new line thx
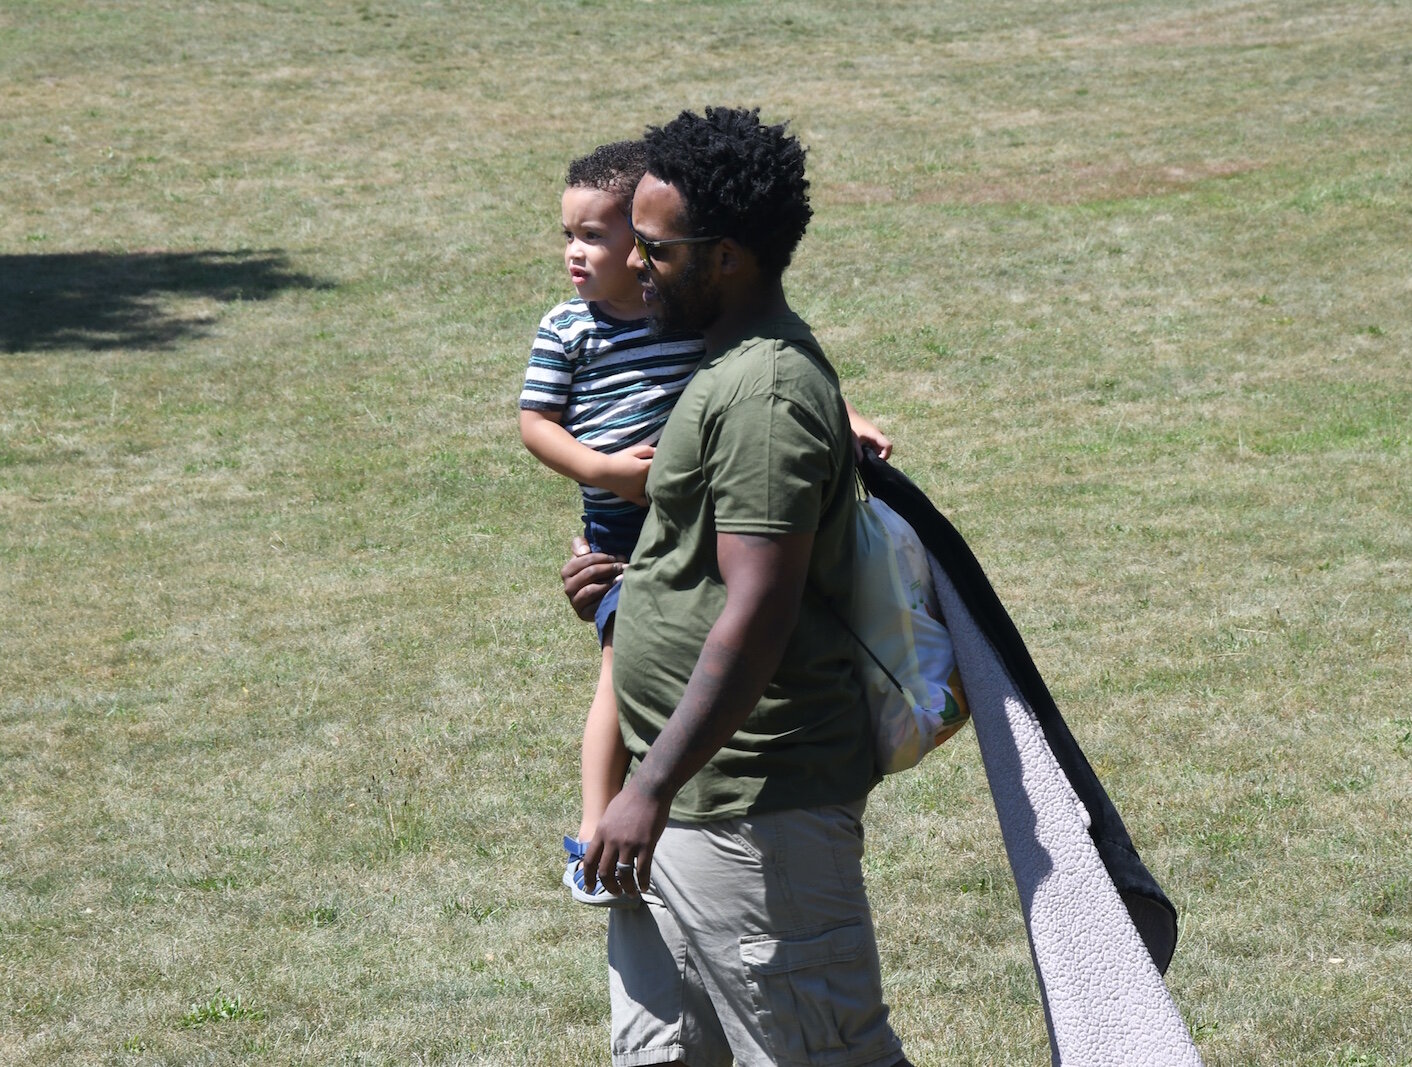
289 700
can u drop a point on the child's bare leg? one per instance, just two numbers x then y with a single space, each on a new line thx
605 757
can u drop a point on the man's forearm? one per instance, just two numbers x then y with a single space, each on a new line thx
736 664
764 586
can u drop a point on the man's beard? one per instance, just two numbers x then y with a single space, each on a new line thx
686 306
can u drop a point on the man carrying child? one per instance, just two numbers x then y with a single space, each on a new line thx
751 747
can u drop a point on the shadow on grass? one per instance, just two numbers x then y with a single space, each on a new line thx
103 300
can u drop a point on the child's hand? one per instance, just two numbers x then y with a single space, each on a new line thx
872 438
625 473
866 434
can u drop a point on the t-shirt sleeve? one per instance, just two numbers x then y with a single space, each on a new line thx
550 372
767 461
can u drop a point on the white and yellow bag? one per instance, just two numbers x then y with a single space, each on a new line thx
906 662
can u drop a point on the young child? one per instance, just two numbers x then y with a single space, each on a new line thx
597 393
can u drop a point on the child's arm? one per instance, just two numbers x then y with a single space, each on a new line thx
866 435
623 474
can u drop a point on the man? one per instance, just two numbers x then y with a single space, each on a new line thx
752 753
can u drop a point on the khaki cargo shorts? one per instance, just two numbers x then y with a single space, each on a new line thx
757 948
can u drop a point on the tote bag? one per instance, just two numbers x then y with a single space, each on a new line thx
905 662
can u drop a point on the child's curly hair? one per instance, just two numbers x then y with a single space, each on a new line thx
614 168
739 178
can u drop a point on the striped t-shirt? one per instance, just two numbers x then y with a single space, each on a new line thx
612 383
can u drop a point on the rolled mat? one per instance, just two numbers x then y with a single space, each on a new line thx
1102 932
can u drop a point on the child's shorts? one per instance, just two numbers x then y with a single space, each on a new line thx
617 536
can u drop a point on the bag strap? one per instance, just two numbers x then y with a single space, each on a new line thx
861 488
861 643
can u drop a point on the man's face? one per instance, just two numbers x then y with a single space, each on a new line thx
680 288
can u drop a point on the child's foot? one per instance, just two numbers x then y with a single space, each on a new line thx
573 878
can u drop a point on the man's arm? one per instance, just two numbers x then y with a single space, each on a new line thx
764 578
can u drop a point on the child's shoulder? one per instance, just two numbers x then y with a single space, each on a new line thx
567 312
577 316
580 326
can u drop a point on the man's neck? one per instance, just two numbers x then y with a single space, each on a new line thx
740 317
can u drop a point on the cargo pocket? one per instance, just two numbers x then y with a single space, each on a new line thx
813 993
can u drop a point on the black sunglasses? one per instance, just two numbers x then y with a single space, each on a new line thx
646 248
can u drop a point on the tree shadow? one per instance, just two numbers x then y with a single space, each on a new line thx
104 300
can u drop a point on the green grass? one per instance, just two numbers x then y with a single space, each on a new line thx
289 701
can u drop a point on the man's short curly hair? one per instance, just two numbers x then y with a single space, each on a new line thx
614 168
740 179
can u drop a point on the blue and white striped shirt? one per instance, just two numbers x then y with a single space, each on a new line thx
612 383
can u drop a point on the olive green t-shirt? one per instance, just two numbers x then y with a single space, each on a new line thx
757 444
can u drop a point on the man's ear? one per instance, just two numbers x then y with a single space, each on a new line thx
732 257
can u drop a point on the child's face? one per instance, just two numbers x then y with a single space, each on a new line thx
597 241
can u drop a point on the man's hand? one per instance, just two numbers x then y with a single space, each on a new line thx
620 854
588 576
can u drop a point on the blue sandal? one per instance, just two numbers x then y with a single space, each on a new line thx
573 878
